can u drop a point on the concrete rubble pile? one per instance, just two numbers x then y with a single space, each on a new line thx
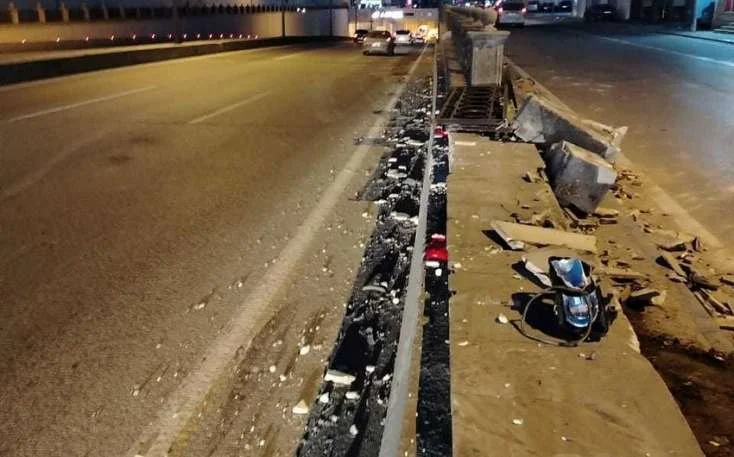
348 413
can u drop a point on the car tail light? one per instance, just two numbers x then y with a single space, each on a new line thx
524 10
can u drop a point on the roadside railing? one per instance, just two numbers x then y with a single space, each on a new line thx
479 45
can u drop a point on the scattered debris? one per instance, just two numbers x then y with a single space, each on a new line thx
352 395
339 378
304 349
502 319
463 343
300 408
518 421
353 430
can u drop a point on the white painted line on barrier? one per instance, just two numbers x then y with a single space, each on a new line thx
181 405
80 104
726 63
231 107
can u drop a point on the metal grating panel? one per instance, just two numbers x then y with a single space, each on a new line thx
475 109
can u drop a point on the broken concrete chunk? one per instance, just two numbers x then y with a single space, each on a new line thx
339 378
673 264
516 235
301 408
660 299
539 121
578 177
673 246
606 213
642 297
702 281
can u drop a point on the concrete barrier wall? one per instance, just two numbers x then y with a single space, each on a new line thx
52 4
312 23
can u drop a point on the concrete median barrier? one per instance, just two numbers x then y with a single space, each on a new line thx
51 67
539 120
579 178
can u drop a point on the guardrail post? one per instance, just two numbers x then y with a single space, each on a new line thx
479 46
40 13
85 12
64 12
14 16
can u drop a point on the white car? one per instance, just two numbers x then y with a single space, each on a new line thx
403 37
511 13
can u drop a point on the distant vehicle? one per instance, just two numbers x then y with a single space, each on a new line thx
359 35
546 7
511 13
403 37
565 6
379 42
601 13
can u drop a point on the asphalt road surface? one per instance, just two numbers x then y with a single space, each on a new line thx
148 215
676 94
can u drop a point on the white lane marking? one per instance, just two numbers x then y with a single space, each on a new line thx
231 107
726 63
44 82
288 56
185 401
80 104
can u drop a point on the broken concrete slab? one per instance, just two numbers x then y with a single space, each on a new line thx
516 234
578 177
673 264
540 121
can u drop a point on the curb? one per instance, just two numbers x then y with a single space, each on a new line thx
715 40
12 73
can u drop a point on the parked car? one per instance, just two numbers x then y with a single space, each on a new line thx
379 42
511 13
601 13
564 6
403 37
359 35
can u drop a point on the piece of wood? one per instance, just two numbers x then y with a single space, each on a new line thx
673 264
511 232
728 279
